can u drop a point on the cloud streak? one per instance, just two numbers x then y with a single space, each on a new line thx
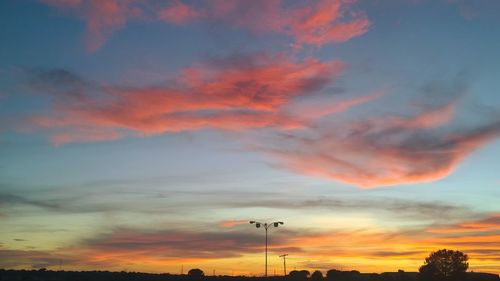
102 18
489 224
232 223
388 150
157 202
317 23
236 93
171 247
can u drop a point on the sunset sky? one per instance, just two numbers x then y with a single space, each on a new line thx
143 135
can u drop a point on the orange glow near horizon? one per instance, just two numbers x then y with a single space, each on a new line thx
365 251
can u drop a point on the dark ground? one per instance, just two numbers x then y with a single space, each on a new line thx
48 275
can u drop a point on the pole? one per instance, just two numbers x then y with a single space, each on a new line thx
284 263
265 225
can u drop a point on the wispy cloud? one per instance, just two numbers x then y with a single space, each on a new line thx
163 245
406 249
145 247
372 154
102 18
386 149
317 23
490 223
10 258
153 203
179 13
232 223
184 244
236 93
12 199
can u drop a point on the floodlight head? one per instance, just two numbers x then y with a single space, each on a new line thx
257 225
276 224
252 222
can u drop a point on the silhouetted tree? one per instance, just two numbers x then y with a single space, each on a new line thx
337 275
333 274
444 265
196 273
317 276
299 275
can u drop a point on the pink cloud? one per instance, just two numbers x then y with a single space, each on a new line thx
259 15
316 23
324 23
102 18
314 109
179 13
382 151
433 118
233 94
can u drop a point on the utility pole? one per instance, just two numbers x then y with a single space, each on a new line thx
284 263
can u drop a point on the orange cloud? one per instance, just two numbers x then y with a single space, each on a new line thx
490 223
232 223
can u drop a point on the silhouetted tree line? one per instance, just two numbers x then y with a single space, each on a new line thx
442 265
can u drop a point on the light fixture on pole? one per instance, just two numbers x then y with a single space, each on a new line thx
266 226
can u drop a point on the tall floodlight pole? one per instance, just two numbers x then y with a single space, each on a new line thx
284 263
266 227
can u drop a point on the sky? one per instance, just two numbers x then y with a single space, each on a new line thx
144 135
